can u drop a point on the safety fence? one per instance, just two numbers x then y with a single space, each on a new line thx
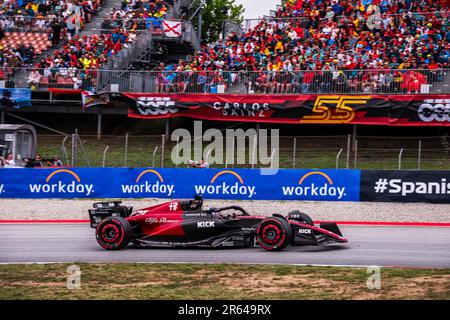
229 184
335 152
383 81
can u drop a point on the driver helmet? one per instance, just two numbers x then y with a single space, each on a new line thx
197 202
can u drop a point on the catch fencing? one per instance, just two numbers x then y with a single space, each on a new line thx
383 81
324 152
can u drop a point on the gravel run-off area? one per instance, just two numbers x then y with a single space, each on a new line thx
43 209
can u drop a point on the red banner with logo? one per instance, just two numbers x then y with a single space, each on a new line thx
394 110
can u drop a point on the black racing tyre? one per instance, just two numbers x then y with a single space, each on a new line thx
274 234
123 211
113 233
303 217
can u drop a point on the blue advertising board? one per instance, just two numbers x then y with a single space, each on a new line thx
238 184
15 97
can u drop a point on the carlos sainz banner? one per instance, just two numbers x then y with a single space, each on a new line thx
395 110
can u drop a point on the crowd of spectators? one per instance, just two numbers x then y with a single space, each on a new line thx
318 44
75 63
78 60
138 15
59 19
37 162
21 56
24 15
310 46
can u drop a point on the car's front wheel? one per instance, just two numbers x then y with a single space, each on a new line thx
113 233
274 234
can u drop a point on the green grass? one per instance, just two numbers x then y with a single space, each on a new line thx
321 155
219 281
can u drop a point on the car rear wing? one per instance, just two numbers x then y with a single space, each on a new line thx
103 210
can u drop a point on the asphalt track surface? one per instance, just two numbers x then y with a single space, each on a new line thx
368 245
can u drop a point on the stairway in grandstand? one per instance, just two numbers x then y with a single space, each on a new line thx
133 77
174 52
96 23
126 71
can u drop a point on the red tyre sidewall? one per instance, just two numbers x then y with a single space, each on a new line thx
113 245
283 234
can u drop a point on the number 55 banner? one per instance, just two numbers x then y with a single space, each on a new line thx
394 110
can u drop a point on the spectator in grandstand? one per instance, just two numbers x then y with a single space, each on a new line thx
9 162
202 80
38 161
34 78
161 82
202 164
26 53
56 33
56 161
33 163
308 79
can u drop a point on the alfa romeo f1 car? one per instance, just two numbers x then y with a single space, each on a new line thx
187 224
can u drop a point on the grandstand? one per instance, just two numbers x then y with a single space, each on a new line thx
303 48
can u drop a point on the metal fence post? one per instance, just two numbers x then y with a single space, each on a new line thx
255 141
154 154
178 151
294 152
99 125
163 139
167 135
64 150
74 141
77 138
271 157
356 153
126 151
337 158
349 141
400 159
419 155
104 156
234 158
208 154
74 148
80 143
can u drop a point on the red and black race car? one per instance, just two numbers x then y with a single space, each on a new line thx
186 224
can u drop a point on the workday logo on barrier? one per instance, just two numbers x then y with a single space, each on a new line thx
219 187
149 182
56 183
316 185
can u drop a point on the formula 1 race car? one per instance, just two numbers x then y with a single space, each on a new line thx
186 224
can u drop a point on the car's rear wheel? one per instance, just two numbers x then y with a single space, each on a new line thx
113 233
274 234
